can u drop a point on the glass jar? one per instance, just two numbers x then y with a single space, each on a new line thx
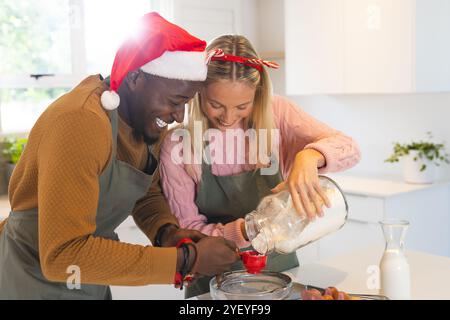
276 226
394 267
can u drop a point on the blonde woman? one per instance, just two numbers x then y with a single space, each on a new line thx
214 197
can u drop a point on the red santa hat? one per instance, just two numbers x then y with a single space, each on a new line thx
159 48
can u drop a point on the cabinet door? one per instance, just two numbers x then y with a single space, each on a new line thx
379 46
354 235
361 229
208 19
150 292
428 212
432 51
128 232
364 208
314 46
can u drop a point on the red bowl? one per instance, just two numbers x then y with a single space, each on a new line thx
253 261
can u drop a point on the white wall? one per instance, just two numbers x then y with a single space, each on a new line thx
270 25
375 121
249 21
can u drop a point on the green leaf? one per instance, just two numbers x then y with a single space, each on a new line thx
425 149
13 148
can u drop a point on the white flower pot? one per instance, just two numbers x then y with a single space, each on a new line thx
411 169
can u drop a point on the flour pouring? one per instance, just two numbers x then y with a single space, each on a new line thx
276 226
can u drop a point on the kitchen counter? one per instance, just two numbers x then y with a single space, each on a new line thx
380 186
430 274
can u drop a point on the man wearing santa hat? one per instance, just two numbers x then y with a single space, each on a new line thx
87 166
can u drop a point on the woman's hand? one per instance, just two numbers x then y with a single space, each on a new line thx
303 184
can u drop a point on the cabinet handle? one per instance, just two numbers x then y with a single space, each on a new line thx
358 221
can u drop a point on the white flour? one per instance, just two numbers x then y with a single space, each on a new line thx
283 230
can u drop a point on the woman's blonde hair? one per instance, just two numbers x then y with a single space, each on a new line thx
261 116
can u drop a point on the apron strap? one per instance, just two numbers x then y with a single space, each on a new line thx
113 116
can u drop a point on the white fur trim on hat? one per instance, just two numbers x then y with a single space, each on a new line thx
110 100
180 65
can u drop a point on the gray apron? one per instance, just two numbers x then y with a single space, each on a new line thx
223 199
21 277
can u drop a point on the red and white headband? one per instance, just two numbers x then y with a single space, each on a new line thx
219 55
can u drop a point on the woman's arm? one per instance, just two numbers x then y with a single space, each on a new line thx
313 148
299 129
179 189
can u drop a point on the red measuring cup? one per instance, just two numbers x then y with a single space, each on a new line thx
253 261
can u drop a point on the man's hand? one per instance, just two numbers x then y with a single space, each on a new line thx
172 235
215 255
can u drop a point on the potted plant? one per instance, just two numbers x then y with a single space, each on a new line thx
420 159
12 150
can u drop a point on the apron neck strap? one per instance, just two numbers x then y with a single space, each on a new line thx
113 116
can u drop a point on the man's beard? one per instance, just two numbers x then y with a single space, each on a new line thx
150 140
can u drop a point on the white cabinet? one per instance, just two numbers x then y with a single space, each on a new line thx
378 44
151 292
208 19
367 46
354 235
313 39
363 208
432 45
128 232
361 229
370 200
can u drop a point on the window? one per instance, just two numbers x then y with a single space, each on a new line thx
48 46
105 33
22 107
34 37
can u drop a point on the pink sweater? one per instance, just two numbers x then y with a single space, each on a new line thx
298 131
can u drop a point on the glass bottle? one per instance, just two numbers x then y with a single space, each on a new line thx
394 268
276 226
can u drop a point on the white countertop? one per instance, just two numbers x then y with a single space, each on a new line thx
430 274
381 187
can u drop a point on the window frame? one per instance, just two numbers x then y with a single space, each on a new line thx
78 55
78 58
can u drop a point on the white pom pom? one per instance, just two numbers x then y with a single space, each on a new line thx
110 100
